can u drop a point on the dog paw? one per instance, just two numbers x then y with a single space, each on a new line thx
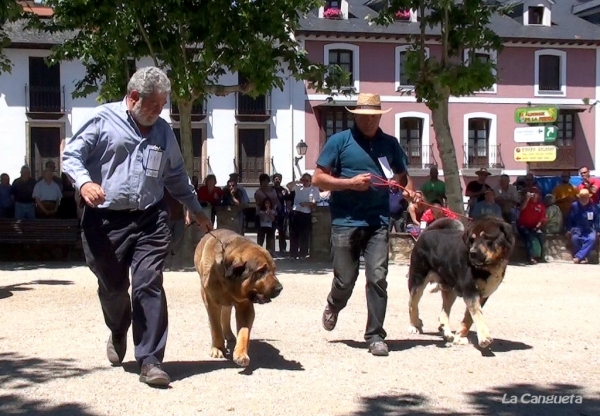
230 345
415 329
241 359
446 333
485 342
459 340
216 353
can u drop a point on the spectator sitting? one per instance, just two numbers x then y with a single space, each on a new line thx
487 207
554 216
589 183
531 222
235 177
22 192
416 208
6 202
565 193
232 195
68 203
507 197
475 189
47 195
396 210
582 225
437 211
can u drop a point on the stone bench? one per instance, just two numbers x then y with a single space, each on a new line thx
558 248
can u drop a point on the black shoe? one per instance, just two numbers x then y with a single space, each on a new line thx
116 347
153 375
379 349
329 318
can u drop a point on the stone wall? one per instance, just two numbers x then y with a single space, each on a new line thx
320 242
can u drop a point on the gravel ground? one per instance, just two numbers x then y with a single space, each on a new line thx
544 320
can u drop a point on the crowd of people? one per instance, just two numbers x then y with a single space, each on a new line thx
568 210
49 196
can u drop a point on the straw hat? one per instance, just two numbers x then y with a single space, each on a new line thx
368 104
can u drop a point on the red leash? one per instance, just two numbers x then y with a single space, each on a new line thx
385 182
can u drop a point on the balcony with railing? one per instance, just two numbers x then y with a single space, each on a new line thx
198 110
248 108
420 157
45 102
489 157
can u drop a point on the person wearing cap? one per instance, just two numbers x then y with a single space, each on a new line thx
487 207
530 224
582 225
589 183
476 189
121 159
351 166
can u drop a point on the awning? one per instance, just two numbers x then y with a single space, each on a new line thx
572 107
337 103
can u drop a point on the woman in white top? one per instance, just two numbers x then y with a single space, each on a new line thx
305 200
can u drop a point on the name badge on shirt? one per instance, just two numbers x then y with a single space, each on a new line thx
153 163
385 165
590 216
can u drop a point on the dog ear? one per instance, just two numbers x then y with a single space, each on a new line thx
234 267
508 232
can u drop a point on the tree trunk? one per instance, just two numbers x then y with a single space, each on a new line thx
185 132
445 145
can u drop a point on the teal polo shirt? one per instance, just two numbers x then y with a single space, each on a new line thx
348 154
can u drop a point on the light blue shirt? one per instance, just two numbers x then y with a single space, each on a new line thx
110 150
483 208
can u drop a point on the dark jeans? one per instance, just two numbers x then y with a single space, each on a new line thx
397 223
282 225
114 242
528 235
348 243
269 233
300 229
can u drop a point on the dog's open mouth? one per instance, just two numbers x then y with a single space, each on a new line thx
259 298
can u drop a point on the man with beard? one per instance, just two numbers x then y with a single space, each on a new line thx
121 160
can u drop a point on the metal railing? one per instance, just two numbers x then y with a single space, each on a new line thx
245 105
420 156
483 157
198 108
45 99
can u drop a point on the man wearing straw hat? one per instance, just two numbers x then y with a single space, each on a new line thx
358 166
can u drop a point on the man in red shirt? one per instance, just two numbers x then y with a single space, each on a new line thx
531 222
591 184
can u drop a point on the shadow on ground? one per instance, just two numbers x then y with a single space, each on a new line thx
489 402
9 266
7 291
18 372
499 345
262 356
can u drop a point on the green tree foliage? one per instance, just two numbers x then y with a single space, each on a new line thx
457 25
10 11
197 42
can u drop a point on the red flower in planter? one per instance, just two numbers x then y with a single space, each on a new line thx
332 13
403 14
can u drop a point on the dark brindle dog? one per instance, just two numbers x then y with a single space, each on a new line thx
469 263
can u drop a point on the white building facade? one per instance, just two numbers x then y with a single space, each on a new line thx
231 134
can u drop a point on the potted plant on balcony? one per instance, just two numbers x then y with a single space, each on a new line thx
403 15
332 13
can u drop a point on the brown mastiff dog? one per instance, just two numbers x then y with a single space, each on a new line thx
234 271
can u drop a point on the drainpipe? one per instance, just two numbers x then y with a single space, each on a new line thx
292 126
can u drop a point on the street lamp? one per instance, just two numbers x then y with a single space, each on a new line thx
301 148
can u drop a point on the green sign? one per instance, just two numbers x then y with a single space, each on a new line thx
539 114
